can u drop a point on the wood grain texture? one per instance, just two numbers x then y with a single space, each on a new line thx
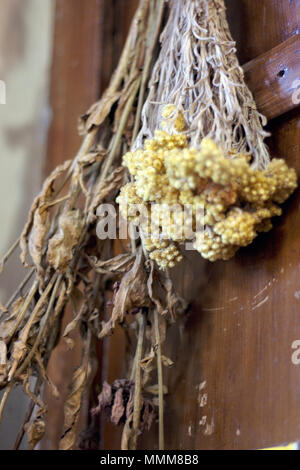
75 85
260 25
274 76
75 75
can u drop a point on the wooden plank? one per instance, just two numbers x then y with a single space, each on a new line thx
273 78
233 385
260 25
75 85
75 74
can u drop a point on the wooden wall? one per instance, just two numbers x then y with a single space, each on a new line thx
234 385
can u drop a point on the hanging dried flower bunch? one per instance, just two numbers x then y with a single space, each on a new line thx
205 146
195 139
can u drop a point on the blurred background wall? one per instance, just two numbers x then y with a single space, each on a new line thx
25 59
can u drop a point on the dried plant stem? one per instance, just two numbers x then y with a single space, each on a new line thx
149 56
8 254
31 407
43 327
4 399
160 383
138 383
25 307
118 136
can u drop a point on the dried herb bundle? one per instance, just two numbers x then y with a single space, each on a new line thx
68 265
197 90
200 158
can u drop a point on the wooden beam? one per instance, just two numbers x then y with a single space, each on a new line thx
272 78
75 85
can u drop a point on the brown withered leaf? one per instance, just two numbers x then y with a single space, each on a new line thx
76 299
113 182
119 264
162 293
104 399
61 245
35 431
18 354
126 93
38 236
153 284
99 111
73 405
116 401
9 320
132 293
118 408
85 161
148 415
146 363
43 199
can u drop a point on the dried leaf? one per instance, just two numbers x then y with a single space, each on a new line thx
18 354
132 293
126 93
104 399
35 431
98 112
113 182
38 236
8 322
73 403
76 298
119 264
44 198
148 415
146 363
84 161
162 293
118 408
152 284
130 404
61 245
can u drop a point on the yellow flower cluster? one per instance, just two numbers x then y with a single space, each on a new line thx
231 200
